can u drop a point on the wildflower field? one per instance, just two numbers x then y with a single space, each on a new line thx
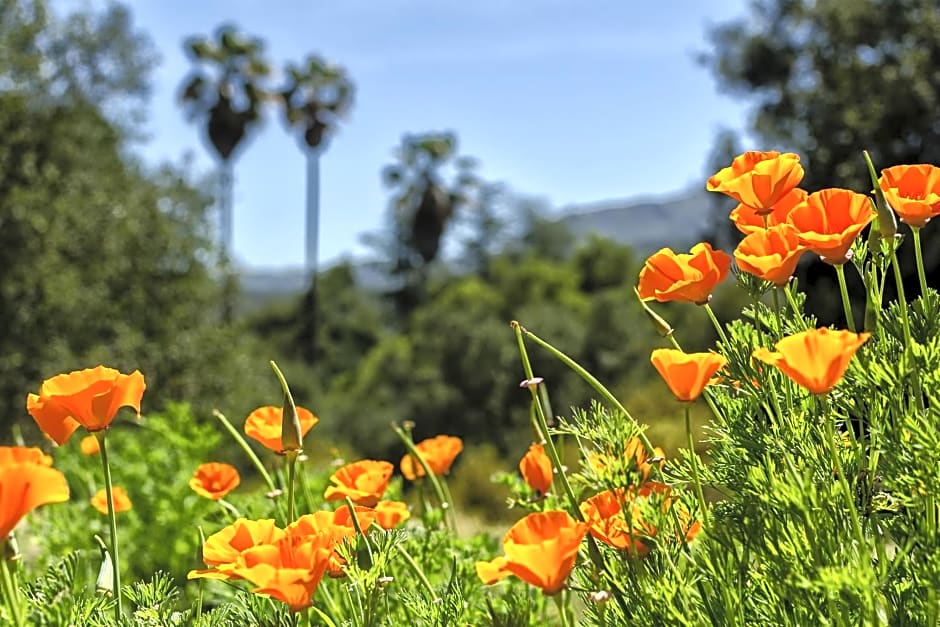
816 504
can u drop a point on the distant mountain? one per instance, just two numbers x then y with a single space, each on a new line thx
646 225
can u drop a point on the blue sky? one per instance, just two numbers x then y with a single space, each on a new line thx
574 102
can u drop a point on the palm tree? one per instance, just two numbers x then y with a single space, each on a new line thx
225 92
424 203
316 97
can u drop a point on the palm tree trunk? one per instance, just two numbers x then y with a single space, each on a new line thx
311 255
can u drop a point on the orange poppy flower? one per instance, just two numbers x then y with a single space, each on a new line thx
338 525
771 254
90 445
606 515
686 374
913 191
635 457
290 569
264 425
540 549
214 480
122 502
691 277
89 398
438 453
536 469
815 359
10 455
758 179
747 220
830 220
25 485
225 546
364 482
390 514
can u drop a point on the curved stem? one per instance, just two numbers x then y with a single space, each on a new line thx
694 459
291 477
919 256
846 303
450 516
246 449
837 462
112 520
10 593
906 328
716 324
580 371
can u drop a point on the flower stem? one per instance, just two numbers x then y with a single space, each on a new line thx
450 516
694 459
112 520
10 592
906 328
580 371
846 303
919 256
291 477
562 610
716 324
837 462
418 572
246 448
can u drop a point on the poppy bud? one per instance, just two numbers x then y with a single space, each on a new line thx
886 222
291 433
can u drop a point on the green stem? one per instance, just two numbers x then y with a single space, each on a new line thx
246 448
919 256
450 516
694 459
776 296
906 328
417 570
362 535
230 509
562 610
837 462
10 592
580 371
846 303
291 476
716 324
593 551
112 520
797 314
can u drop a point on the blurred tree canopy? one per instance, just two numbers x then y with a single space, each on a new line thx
830 78
101 259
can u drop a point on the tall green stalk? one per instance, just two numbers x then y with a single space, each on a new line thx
580 371
10 592
694 459
846 303
246 448
919 257
112 520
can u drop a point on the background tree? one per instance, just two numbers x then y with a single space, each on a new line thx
101 259
424 201
831 78
316 97
225 91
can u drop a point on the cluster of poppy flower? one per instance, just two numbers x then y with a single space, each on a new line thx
288 564
542 548
781 222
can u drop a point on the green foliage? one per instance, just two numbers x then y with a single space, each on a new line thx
101 260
